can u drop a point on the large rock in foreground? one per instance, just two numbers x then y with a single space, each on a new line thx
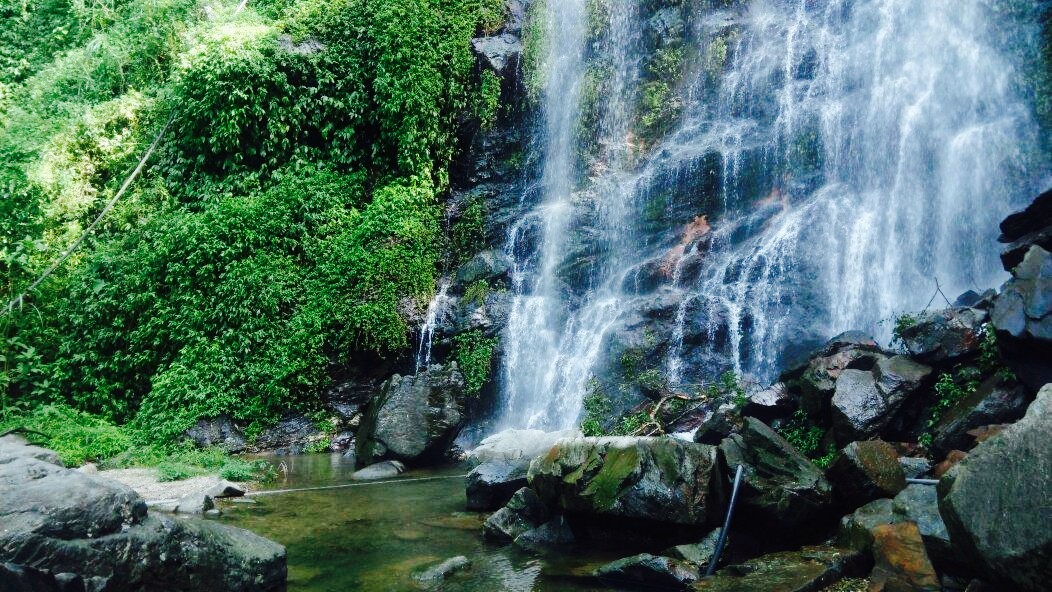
414 418
782 489
661 480
68 522
995 502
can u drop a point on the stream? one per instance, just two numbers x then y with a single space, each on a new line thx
375 536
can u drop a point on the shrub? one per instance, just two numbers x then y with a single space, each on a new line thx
474 355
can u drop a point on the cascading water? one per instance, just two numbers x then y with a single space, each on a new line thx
831 161
435 309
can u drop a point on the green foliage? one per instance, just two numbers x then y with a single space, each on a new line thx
77 437
468 234
631 423
177 471
476 293
488 104
474 354
802 434
950 388
728 385
652 380
597 409
658 109
239 470
903 323
632 362
535 47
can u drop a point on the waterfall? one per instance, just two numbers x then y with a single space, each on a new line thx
831 161
435 309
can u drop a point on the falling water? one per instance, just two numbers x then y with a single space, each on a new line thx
435 309
846 154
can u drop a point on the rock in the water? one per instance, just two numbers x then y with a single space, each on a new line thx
381 470
920 504
993 402
995 502
224 488
663 480
552 536
902 565
192 503
217 431
650 570
524 511
436 574
808 570
67 522
697 554
865 471
490 485
413 417
781 488
517 445
942 335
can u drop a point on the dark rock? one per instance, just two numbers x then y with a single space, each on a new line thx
901 561
500 53
381 470
856 529
552 536
19 578
67 522
1025 229
995 502
968 298
865 471
289 436
414 418
719 424
914 467
218 431
697 554
781 489
858 408
773 402
490 485
662 480
943 335
807 570
650 570
524 511
952 458
437 573
492 265
993 402
1024 307
898 377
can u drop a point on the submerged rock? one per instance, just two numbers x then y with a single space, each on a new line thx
995 502
697 554
650 570
413 418
552 536
436 574
865 471
663 480
781 488
523 512
381 470
490 485
807 570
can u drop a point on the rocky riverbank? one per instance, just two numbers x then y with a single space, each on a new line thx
63 530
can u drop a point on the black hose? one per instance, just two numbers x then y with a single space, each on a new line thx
720 542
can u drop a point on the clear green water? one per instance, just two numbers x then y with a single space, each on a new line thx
374 537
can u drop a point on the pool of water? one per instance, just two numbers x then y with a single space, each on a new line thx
375 536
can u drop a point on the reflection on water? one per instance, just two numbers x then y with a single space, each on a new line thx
374 537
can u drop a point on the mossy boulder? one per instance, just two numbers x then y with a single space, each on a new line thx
865 471
663 480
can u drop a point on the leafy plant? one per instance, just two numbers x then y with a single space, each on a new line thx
597 409
476 292
474 355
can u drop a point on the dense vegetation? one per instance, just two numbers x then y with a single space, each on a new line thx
286 225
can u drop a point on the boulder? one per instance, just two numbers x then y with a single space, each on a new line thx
192 503
914 467
817 379
865 471
807 570
1027 228
995 401
856 529
898 377
719 424
858 407
920 504
768 404
490 485
552 536
902 564
943 335
1022 314
697 554
381 470
499 52
19 578
662 480
413 418
517 445
488 265
68 522
218 431
651 571
994 502
290 435
13 447
523 512
781 489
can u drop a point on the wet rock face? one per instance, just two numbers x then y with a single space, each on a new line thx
414 417
781 488
865 471
995 502
288 436
1022 314
1025 229
817 379
78 525
661 480
218 431
865 402
490 485
523 512
994 402
650 570
901 561
943 335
